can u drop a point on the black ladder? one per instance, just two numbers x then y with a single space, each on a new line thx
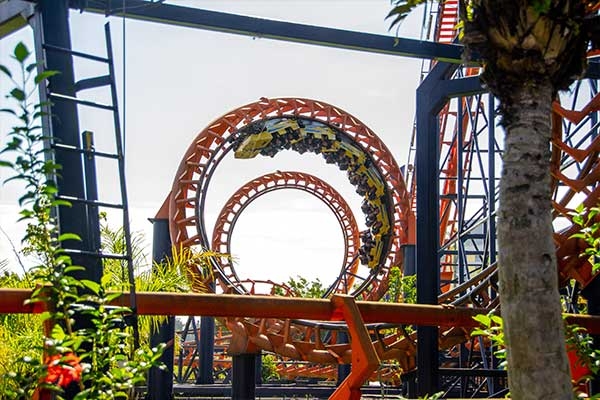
89 156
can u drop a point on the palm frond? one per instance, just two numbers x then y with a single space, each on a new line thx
401 10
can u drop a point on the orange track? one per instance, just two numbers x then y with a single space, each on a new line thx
190 178
287 180
267 322
297 341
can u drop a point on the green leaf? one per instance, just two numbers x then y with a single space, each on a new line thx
18 94
44 75
8 111
31 67
478 332
57 202
21 52
69 236
112 296
58 333
5 70
401 10
6 164
46 315
72 268
25 197
50 190
483 319
14 178
93 286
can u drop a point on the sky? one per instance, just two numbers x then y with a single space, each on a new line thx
177 80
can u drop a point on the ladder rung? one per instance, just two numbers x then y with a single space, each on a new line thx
65 147
82 102
75 53
90 83
97 203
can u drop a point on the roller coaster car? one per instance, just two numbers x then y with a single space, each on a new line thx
317 139
375 253
284 127
253 144
382 222
355 154
320 132
375 184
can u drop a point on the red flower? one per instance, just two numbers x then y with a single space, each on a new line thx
63 369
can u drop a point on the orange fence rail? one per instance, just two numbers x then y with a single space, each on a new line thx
219 305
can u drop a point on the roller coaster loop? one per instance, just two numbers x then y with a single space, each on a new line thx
252 190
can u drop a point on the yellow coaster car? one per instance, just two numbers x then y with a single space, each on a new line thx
253 144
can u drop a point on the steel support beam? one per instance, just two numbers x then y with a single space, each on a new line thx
258 369
160 382
207 350
432 94
429 103
243 385
269 29
64 129
410 261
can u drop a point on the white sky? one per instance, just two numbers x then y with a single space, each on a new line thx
178 80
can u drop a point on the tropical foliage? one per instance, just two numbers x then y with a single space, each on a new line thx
589 232
401 288
302 287
81 347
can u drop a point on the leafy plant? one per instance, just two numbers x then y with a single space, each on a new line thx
302 287
492 328
582 343
577 340
81 361
401 9
20 334
401 288
269 367
586 220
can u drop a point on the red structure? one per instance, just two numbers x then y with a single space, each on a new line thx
221 239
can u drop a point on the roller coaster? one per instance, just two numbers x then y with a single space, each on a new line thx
466 212
278 124
468 155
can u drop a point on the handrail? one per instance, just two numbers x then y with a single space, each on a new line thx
219 305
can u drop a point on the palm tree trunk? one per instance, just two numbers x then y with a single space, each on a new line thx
537 361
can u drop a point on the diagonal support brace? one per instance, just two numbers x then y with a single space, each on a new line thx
364 357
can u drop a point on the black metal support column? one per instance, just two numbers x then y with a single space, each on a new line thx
243 385
410 261
432 94
427 259
160 382
207 350
430 100
91 190
258 369
492 178
65 130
